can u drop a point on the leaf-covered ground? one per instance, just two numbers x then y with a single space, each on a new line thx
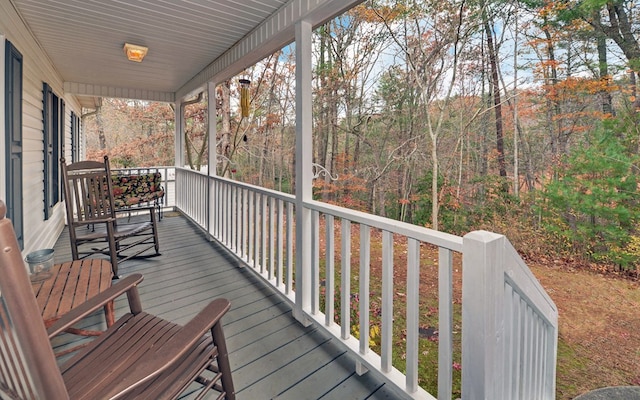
599 327
599 314
599 318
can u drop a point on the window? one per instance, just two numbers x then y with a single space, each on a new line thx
53 110
75 137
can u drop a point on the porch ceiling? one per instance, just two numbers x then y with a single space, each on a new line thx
84 38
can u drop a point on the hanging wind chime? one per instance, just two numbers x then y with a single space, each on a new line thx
244 97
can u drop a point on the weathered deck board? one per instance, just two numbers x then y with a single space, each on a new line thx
272 356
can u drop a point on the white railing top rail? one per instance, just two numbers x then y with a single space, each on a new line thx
144 168
258 189
520 276
422 234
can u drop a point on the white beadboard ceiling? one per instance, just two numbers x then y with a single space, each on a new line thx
84 38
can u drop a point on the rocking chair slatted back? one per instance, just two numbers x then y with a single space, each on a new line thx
27 359
91 192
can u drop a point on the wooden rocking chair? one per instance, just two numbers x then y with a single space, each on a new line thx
91 216
141 356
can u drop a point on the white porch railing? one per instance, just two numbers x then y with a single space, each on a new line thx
510 353
509 324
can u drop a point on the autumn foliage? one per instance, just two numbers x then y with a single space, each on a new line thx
406 122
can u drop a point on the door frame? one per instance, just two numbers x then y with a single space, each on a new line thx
3 137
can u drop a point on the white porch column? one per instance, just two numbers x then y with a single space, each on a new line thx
179 139
212 120
213 159
304 175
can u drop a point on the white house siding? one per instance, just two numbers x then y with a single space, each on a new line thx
37 69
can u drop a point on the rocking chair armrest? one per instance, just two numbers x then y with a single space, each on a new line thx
128 285
165 356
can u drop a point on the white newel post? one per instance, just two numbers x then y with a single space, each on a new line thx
304 175
179 149
482 324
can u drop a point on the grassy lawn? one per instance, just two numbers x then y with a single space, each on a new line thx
428 340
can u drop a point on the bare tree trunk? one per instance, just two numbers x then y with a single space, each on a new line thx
196 163
484 133
324 126
484 146
382 203
620 30
529 176
333 129
462 142
268 131
605 96
102 139
225 132
553 107
322 141
203 148
497 102
634 86
435 203
516 160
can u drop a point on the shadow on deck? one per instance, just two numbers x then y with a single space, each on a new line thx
272 356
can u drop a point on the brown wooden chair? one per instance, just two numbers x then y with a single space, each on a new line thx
92 217
141 356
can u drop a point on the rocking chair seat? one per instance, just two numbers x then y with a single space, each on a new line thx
159 343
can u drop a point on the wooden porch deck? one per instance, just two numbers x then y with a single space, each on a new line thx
272 356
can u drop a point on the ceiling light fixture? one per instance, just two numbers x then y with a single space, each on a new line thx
134 52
